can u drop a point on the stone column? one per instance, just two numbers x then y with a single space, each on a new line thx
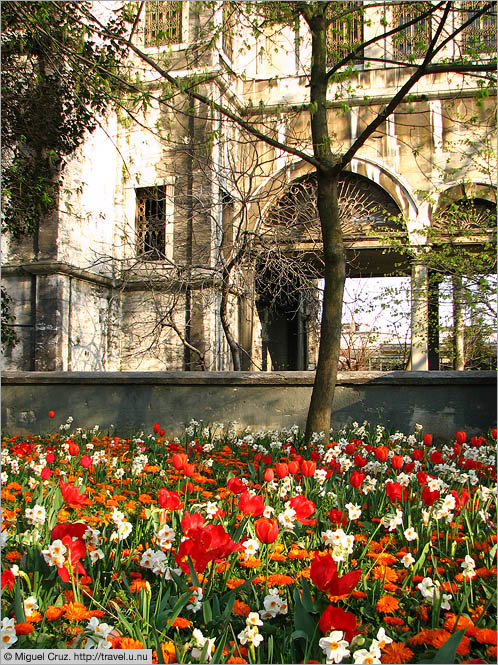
419 359
458 325
433 320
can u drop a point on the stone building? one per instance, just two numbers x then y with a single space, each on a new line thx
157 202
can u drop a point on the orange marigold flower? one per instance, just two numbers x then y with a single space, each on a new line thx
240 608
251 563
476 612
387 604
397 652
236 659
454 623
99 614
181 622
383 558
440 637
423 637
13 556
384 573
34 617
234 583
76 612
423 612
54 613
394 621
358 594
491 652
485 636
136 585
280 580
24 628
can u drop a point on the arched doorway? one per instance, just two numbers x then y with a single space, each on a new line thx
287 278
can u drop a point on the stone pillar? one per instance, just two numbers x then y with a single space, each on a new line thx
419 359
433 320
458 325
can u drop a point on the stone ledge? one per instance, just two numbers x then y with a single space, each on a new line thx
249 378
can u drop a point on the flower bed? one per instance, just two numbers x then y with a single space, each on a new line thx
217 547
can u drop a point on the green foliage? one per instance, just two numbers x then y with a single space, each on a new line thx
9 337
57 77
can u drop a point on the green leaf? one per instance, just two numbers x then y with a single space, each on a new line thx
18 604
447 653
302 619
306 599
206 611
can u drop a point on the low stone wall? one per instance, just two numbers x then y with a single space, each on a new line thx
443 402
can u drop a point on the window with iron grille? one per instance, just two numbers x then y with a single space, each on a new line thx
163 23
480 35
413 40
151 222
345 32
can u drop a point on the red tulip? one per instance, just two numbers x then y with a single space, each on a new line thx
429 497
397 462
436 457
350 448
381 453
188 470
169 500
409 467
50 457
204 544
418 454
162 432
251 505
395 492
77 551
190 522
266 530
179 460
308 468
7 579
337 517
293 467
75 530
422 478
156 427
74 449
360 461
303 507
461 437
282 469
72 495
477 441
236 485
51 414
356 479
427 439
494 433
86 461
46 473
188 487
269 475
323 572
335 618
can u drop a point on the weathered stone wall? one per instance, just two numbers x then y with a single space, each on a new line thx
443 402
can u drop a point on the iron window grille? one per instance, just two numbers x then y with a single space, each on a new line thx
479 36
163 22
412 42
151 223
345 32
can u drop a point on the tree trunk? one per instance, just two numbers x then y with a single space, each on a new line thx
320 411
232 342
319 414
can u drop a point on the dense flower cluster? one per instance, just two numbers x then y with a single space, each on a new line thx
368 546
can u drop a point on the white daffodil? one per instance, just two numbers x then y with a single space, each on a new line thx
334 647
